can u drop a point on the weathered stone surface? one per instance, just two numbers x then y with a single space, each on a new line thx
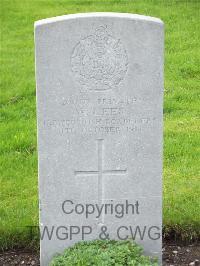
99 107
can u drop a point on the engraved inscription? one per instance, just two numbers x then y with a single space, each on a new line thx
99 61
101 115
100 172
100 125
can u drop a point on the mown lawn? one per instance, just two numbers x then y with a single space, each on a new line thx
18 156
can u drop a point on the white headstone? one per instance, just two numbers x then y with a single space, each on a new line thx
99 107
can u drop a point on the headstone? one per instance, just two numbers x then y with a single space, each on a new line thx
99 107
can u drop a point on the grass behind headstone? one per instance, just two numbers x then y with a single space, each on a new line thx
18 156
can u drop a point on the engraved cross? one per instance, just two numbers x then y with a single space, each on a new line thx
101 172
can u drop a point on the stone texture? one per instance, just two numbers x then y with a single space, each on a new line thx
99 108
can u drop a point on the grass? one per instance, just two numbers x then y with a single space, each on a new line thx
18 155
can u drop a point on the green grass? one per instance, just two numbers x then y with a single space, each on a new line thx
18 156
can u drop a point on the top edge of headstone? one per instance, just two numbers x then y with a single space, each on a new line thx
96 15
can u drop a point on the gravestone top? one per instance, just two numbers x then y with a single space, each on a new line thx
97 14
99 113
